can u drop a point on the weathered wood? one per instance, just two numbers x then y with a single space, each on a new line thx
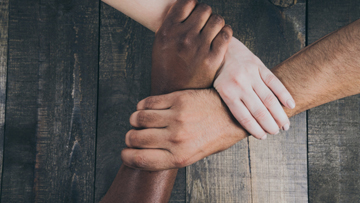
279 164
4 23
124 79
283 3
273 34
21 104
333 129
52 101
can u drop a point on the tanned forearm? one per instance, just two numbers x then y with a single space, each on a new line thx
327 70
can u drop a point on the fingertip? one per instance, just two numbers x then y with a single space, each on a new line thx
133 119
286 127
125 156
290 103
127 138
227 32
140 105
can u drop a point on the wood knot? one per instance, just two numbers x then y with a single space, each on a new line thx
283 3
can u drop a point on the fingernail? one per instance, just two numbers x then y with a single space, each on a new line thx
291 103
264 137
286 127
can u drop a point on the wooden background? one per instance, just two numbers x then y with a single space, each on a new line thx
72 71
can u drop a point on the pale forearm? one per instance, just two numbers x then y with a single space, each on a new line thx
149 13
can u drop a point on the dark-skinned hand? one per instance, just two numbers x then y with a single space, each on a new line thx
189 48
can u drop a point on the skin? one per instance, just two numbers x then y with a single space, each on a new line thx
256 90
157 188
195 123
188 50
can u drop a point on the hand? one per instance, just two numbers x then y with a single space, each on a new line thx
189 48
181 128
248 87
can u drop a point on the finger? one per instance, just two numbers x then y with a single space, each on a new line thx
212 28
277 88
243 116
220 43
260 113
150 118
180 11
146 138
147 159
199 17
273 105
157 102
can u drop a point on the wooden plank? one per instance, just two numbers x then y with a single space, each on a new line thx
276 173
333 129
21 103
124 79
4 25
52 102
279 164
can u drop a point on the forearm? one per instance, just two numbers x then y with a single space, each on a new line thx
325 71
149 13
170 59
132 185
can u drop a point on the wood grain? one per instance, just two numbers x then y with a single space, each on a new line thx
21 104
274 170
52 101
333 128
124 79
4 25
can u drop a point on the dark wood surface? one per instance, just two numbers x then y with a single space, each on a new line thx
334 128
4 27
71 73
50 132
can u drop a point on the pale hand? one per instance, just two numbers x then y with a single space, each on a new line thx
251 91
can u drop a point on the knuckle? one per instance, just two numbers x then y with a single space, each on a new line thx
143 118
127 138
226 33
205 8
181 161
226 94
139 161
185 41
269 79
181 117
246 121
236 80
150 102
217 19
183 99
207 63
132 139
260 114
270 100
